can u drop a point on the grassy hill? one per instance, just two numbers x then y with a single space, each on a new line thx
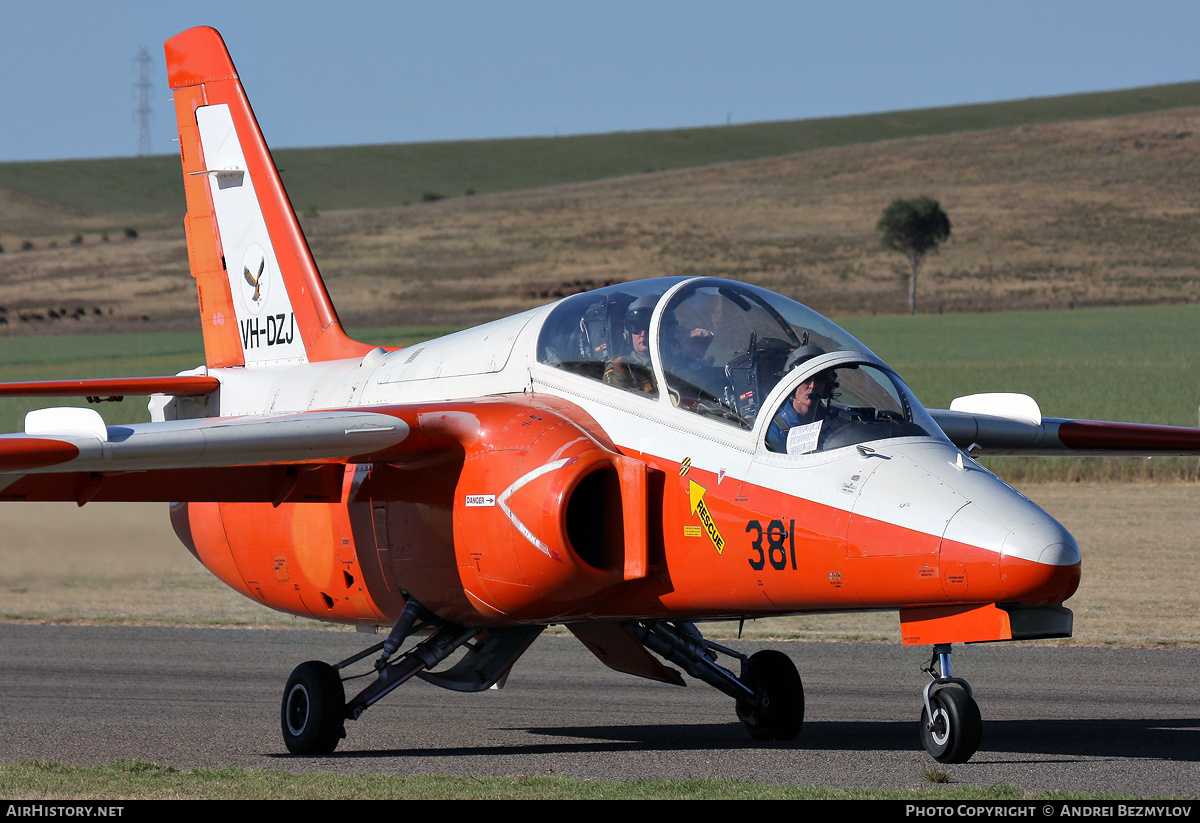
41 199
1061 202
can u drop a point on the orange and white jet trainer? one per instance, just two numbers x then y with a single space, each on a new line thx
629 462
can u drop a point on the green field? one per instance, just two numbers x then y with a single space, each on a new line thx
1137 364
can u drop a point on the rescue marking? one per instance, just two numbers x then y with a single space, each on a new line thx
700 509
685 466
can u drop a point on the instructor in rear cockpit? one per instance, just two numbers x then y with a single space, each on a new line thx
632 370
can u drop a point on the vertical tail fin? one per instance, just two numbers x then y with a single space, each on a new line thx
262 300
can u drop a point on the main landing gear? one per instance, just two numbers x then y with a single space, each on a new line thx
314 707
769 694
950 723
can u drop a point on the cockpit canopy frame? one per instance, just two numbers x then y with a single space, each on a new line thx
719 349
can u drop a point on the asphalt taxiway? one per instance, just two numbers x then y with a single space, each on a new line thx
1081 719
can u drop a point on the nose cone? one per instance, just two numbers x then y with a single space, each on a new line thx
997 545
1043 540
1040 561
1003 540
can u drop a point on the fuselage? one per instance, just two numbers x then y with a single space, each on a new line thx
539 487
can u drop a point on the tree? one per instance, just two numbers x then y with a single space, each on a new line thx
914 228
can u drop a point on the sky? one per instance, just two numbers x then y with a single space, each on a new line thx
348 73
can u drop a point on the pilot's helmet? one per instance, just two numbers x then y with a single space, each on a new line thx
802 355
637 316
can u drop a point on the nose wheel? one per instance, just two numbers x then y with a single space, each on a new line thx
951 727
952 734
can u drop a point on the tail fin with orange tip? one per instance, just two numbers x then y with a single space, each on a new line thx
262 300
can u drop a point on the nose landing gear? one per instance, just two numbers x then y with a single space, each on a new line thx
951 727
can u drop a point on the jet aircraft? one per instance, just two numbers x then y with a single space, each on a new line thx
629 462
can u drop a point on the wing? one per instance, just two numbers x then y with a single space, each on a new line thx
70 454
995 424
181 385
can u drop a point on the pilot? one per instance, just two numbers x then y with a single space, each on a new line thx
690 374
694 345
808 404
633 371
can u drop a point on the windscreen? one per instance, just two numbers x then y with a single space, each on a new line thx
725 345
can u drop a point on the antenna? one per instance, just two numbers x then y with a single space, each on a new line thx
142 90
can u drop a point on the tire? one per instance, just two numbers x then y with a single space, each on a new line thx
778 713
314 709
957 727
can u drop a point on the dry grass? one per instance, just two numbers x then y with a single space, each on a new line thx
122 563
112 563
1085 213
1068 214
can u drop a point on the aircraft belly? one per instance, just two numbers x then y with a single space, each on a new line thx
297 558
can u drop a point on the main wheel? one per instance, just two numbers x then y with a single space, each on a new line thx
314 709
777 712
956 729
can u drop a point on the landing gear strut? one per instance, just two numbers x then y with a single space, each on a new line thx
951 727
769 694
314 707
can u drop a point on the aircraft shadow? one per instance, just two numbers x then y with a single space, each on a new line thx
1162 739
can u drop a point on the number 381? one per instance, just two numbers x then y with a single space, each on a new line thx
780 549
